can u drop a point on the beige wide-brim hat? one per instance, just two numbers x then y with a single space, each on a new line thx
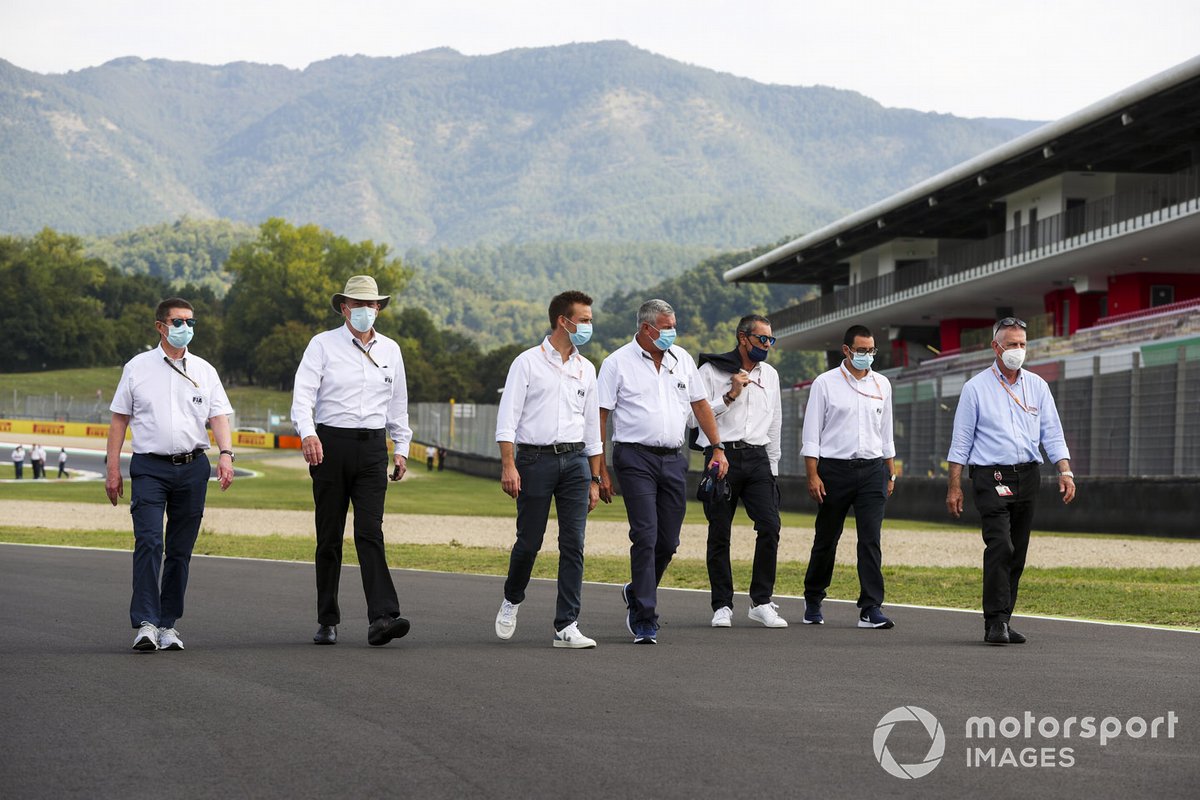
359 287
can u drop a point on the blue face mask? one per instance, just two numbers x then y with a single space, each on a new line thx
861 361
179 337
757 353
362 318
582 334
666 338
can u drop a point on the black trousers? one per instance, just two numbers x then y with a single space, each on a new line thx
751 482
863 488
354 470
1007 522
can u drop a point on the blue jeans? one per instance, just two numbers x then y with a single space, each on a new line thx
566 479
654 489
160 487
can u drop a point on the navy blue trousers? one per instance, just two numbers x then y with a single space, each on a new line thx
160 487
863 488
564 478
654 489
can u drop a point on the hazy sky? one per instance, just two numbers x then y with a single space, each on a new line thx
1033 59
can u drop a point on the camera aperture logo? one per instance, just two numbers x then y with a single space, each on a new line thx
937 744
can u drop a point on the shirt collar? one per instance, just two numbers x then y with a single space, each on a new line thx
346 330
164 352
553 356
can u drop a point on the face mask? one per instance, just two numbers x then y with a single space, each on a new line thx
582 334
859 361
666 338
1013 359
179 337
362 318
757 353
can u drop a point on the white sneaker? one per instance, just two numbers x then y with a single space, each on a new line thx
723 617
506 620
147 638
768 615
571 637
168 639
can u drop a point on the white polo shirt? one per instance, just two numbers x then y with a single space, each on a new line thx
848 417
550 401
167 409
649 406
755 417
340 385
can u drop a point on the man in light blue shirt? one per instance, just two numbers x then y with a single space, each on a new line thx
1003 414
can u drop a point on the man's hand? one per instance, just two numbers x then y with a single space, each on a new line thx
954 500
313 453
593 495
510 479
400 467
224 471
738 382
816 489
114 486
606 487
718 458
891 487
1066 487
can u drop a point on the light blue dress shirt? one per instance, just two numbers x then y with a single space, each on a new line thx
990 427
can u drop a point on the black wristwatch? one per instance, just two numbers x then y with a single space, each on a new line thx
229 453
596 479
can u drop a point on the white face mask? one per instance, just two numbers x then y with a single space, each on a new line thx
1013 359
362 318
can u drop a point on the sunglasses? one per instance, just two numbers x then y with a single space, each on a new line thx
1009 322
179 323
767 340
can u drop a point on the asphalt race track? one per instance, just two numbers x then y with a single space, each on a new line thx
252 709
84 463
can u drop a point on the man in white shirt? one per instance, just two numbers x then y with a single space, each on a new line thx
350 393
650 388
37 457
743 390
18 461
849 456
166 395
548 430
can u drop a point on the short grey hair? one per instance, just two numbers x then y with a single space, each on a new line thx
651 310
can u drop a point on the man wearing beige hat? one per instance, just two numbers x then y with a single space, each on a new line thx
349 394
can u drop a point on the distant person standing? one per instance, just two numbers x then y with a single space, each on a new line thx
18 461
548 431
849 457
166 395
743 390
350 395
1004 414
37 457
650 387
62 463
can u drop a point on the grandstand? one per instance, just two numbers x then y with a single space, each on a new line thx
1088 228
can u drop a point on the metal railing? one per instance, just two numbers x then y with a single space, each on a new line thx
1158 199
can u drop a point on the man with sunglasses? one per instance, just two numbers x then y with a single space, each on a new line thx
166 395
1004 414
350 395
743 390
548 430
650 387
849 457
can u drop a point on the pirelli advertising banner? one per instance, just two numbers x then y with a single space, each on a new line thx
29 427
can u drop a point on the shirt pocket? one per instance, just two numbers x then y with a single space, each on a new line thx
199 401
576 397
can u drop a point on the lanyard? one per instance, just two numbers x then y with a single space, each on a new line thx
578 375
842 370
365 352
1004 383
182 372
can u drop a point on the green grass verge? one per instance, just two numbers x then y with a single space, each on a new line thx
1169 597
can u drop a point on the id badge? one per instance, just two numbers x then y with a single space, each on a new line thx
1004 491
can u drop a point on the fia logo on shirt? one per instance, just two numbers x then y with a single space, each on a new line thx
680 385
581 392
197 400
387 379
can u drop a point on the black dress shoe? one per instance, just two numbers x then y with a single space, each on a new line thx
1014 637
997 633
326 634
384 629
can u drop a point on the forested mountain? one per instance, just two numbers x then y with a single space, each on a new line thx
598 142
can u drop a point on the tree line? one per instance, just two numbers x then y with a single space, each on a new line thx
69 309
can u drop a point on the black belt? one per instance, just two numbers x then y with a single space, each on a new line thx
855 463
740 445
1028 465
651 448
178 459
360 434
557 449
